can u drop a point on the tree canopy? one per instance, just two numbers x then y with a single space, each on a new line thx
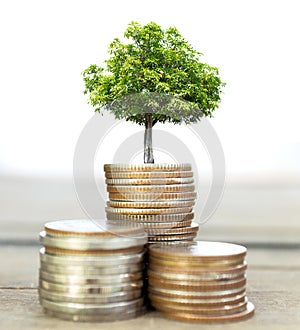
163 69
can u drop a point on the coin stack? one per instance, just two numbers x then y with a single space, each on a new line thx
159 196
199 281
92 271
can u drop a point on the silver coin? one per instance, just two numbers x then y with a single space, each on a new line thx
87 309
146 167
172 238
169 210
150 205
125 315
83 270
91 260
103 290
88 228
166 225
89 279
149 218
160 181
89 243
90 298
148 175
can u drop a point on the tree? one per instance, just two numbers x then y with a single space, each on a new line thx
156 76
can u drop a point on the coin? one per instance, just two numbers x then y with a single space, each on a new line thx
46 277
90 298
158 218
93 243
191 275
196 294
151 188
192 264
173 231
106 309
161 181
125 315
90 288
87 227
166 225
197 286
200 251
199 302
90 270
208 311
146 167
87 260
171 204
170 210
248 312
148 175
149 197
181 237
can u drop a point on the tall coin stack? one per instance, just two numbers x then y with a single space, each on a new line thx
92 271
159 196
199 281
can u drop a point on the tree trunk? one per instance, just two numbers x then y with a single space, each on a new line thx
148 150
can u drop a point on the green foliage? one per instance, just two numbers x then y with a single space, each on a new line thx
163 69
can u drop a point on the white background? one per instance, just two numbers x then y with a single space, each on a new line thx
45 45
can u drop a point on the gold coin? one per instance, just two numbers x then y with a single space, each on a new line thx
137 182
185 273
196 265
157 218
196 286
170 210
200 251
175 293
146 167
151 188
150 205
173 231
208 311
149 197
200 302
148 175
248 312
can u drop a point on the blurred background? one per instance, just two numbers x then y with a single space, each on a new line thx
45 45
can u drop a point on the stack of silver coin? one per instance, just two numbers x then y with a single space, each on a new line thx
92 270
199 281
159 196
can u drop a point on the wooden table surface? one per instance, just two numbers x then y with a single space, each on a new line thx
273 286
